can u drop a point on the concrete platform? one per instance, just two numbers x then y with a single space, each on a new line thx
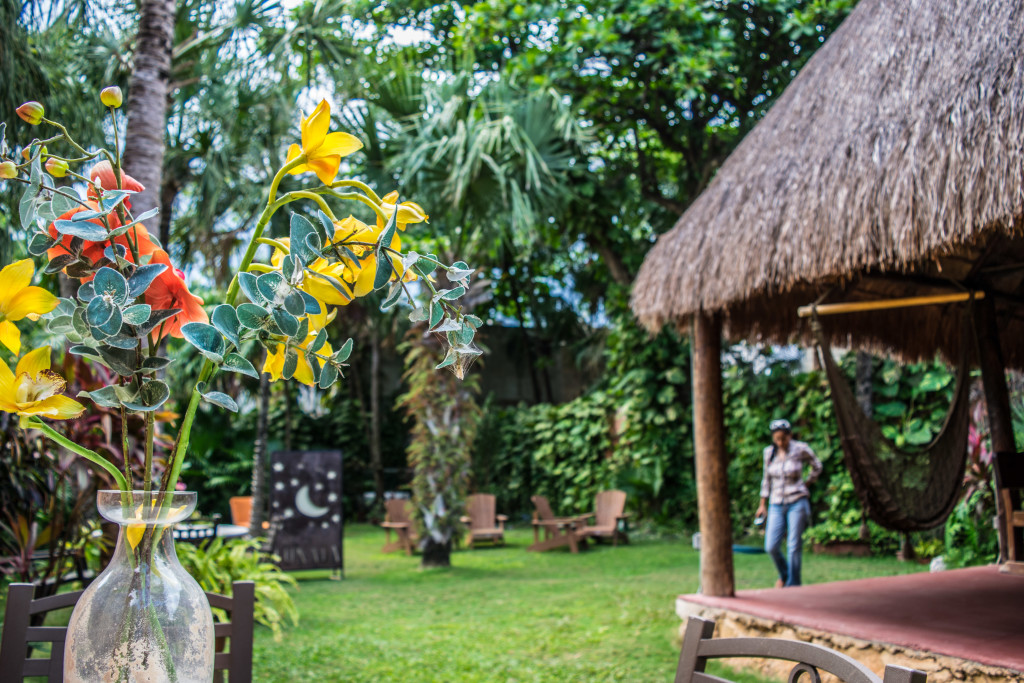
965 624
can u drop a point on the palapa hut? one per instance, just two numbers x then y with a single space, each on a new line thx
892 166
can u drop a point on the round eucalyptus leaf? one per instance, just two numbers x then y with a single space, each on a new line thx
99 311
110 284
252 316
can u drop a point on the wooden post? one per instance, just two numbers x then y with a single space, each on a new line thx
997 397
716 570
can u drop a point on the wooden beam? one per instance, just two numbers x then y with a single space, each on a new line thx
716 568
997 398
906 302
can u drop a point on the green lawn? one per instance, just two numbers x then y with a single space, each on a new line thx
504 614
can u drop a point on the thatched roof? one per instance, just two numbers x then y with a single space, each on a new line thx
892 165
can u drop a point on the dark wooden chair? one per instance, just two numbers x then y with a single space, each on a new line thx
1009 470
609 508
484 524
16 661
699 647
558 531
397 519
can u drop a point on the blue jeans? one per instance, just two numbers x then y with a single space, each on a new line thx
787 520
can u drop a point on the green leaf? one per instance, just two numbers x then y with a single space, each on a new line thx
236 363
252 316
315 364
137 314
325 229
273 287
311 305
155 363
303 330
291 363
84 229
225 320
153 394
288 323
291 268
158 317
427 265
121 361
449 359
394 294
418 314
247 283
452 294
104 397
890 409
383 275
40 243
328 375
99 311
299 230
295 304
342 354
206 338
221 400
143 277
389 232
436 314
318 341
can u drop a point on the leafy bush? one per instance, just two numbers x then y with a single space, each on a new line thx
970 540
216 565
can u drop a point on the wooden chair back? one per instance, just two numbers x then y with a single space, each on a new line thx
699 646
1009 471
16 661
241 510
541 508
608 507
396 510
481 510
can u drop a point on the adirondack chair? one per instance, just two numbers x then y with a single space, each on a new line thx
484 525
233 638
397 518
1009 470
558 531
699 646
608 510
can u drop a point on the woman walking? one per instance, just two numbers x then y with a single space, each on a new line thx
784 492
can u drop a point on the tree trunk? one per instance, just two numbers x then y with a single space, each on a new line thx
716 567
864 400
147 101
259 458
436 554
376 461
616 266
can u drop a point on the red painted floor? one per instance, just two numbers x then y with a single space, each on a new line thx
975 614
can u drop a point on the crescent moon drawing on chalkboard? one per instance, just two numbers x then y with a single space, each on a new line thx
304 505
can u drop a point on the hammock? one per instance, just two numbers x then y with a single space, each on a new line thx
903 490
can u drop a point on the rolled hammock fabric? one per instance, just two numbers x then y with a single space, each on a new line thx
901 489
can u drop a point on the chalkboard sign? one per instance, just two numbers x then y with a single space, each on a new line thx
305 509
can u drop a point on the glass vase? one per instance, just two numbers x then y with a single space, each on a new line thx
144 619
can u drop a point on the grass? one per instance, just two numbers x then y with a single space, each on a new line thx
503 614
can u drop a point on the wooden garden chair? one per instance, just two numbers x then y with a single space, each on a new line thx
484 524
397 519
16 644
1009 471
609 508
558 531
699 646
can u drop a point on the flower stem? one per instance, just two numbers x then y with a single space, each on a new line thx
89 455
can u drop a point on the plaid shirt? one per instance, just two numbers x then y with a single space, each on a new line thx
783 480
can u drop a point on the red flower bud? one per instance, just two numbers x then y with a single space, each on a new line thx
31 113
8 170
111 96
58 168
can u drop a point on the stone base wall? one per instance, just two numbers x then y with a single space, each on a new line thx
874 655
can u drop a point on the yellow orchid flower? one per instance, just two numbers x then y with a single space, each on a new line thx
320 289
323 151
357 236
18 300
33 389
274 364
408 212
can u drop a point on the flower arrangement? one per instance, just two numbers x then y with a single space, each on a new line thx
132 297
131 300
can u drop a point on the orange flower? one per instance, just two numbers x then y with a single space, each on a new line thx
103 173
93 251
170 291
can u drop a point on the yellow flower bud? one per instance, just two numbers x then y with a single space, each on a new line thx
31 113
8 170
111 96
26 153
58 168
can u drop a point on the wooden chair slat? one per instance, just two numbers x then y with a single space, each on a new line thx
484 523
